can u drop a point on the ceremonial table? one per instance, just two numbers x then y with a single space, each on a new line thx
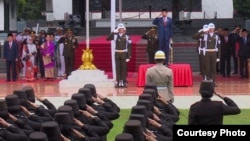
182 74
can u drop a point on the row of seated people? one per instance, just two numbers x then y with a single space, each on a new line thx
151 119
86 116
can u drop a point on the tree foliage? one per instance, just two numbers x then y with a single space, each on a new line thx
242 8
30 9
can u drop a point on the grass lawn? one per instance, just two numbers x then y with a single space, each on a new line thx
242 118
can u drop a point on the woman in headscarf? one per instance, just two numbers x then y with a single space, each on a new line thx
28 55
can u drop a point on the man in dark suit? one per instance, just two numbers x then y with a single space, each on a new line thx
236 35
243 53
165 31
199 115
227 43
11 57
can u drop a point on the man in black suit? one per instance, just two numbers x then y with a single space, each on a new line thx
227 43
199 115
11 57
243 53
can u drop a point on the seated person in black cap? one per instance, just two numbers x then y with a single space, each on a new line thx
105 99
31 97
99 104
90 121
199 115
9 132
39 110
67 122
22 113
12 119
81 100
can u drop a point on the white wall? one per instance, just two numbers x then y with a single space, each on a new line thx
13 15
60 7
1 15
224 9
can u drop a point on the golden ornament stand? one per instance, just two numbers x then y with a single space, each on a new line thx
87 59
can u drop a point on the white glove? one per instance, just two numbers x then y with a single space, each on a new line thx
201 30
115 31
127 60
217 60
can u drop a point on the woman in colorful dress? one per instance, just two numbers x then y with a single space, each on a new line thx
27 59
47 50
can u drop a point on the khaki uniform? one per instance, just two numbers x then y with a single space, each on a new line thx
212 52
201 51
152 44
163 78
122 52
70 44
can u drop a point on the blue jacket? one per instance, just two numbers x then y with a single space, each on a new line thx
164 31
10 54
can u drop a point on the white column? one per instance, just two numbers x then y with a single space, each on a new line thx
112 18
87 24
120 11
2 15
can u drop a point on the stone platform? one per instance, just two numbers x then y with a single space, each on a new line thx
79 78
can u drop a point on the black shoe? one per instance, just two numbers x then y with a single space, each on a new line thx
234 73
215 85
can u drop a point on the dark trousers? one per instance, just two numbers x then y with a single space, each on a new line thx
202 64
164 46
11 70
151 55
243 66
69 64
40 65
210 63
235 62
225 65
121 65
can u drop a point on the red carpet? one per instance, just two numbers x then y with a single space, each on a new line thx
36 81
102 53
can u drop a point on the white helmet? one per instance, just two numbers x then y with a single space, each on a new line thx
120 25
159 55
211 25
204 28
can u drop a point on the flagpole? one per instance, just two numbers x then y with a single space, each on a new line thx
87 24
112 21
